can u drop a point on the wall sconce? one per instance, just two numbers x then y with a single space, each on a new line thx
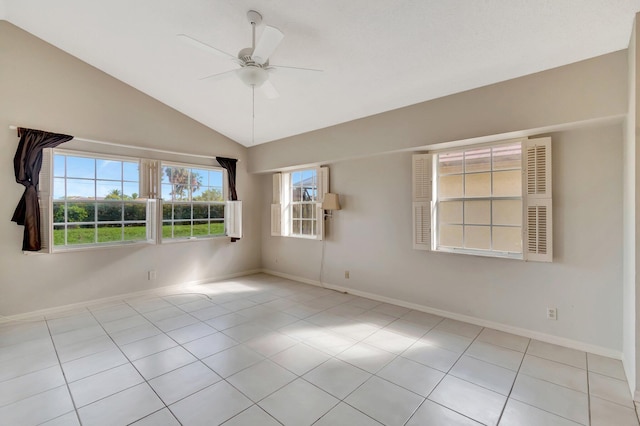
330 203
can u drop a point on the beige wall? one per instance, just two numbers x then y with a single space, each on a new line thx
43 87
589 90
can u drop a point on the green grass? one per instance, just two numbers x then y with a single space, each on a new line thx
76 236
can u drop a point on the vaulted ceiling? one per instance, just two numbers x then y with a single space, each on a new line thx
376 55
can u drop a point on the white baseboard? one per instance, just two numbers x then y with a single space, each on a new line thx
544 337
159 291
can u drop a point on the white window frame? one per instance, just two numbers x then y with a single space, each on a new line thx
45 194
282 204
536 201
228 211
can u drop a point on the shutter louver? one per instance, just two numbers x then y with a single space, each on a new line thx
44 196
537 199
233 219
149 179
276 206
422 187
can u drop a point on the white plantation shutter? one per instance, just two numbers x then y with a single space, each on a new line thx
276 206
44 197
422 189
149 176
538 226
233 219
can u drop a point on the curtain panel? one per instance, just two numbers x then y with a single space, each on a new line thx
27 164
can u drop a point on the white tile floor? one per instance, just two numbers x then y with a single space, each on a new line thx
261 350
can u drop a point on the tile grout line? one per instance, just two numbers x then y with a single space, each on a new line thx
64 375
131 363
524 354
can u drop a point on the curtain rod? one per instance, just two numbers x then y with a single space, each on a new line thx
122 145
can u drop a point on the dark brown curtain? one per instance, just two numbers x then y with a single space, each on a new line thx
229 164
27 164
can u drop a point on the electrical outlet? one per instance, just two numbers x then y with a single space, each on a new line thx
552 313
151 275
346 274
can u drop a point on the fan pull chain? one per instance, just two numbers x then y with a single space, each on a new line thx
253 114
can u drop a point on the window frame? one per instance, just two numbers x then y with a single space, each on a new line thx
161 221
282 207
435 245
46 190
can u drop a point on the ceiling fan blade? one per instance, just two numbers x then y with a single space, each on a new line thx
283 69
268 43
268 90
203 46
218 76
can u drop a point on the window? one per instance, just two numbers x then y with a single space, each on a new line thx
476 202
192 202
296 210
92 200
95 201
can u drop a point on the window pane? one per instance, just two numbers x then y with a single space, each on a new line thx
477 212
477 237
507 212
200 211
307 227
217 211
166 192
200 228
296 211
109 190
135 211
182 211
135 232
507 184
478 185
477 160
308 211
58 212
450 211
58 235
58 165
450 235
450 186
182 229
199 178
216 228
450 163
82 234
296 193
130 190
131 171
80 167
109 233
215 178
80 212
109 170
167 230
80 188
507 157
296 226
58 188
507 239
109 212
167 212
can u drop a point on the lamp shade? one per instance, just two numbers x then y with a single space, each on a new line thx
330 202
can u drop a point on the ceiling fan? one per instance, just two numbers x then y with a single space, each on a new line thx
253 61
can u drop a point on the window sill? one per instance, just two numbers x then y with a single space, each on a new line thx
497 255
192 239
90 247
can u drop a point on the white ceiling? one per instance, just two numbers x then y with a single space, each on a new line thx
377 55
